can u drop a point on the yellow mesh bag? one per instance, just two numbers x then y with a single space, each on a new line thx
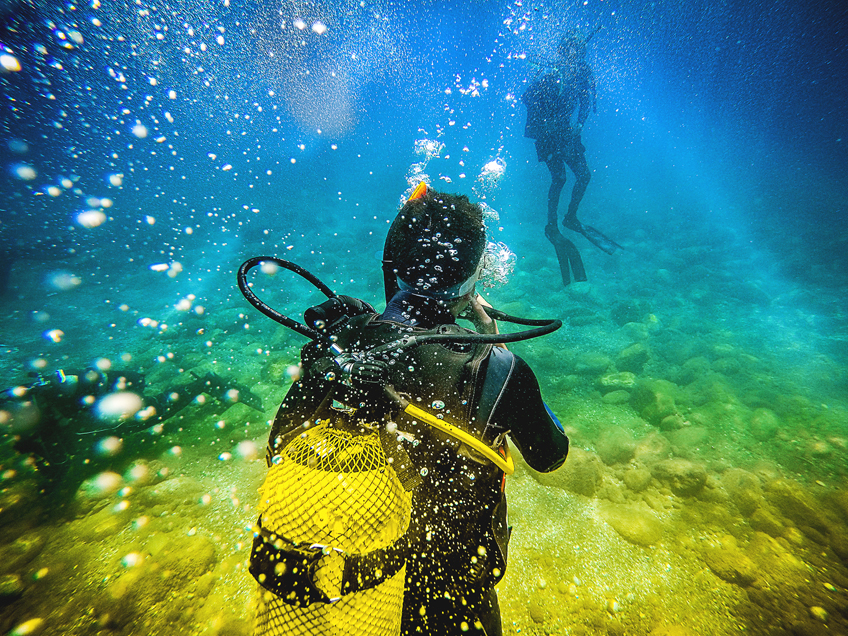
335 488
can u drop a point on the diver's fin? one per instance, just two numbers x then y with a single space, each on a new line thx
562 257
603 243
575 260
567 254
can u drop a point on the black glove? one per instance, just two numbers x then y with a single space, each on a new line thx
332 314
355 306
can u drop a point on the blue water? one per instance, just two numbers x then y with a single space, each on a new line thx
147 149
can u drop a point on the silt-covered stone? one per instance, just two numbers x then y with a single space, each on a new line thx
633 358
654 400
616 381
685 478
744 490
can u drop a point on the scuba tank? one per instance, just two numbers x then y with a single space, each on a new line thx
329 549
330 495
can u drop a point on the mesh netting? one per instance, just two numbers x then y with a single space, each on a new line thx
335 488
373 612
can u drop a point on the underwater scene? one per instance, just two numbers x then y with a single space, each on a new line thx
149 148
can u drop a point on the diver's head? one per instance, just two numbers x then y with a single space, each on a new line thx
572 46
435 246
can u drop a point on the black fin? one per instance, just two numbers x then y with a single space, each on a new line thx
602 242
567 255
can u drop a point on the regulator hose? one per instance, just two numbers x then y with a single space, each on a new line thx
542 327
273 314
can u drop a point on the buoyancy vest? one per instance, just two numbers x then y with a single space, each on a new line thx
456 534
552 99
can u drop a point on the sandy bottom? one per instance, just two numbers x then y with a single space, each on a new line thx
705 493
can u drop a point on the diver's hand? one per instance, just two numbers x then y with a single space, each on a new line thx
482 321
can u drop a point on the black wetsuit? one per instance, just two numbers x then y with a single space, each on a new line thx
457 537
551 101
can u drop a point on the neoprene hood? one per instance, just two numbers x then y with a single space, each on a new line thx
434 246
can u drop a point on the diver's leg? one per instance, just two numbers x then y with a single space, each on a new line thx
557 169
5 273
582 176
452 614
577 163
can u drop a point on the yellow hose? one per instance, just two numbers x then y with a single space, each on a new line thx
504 463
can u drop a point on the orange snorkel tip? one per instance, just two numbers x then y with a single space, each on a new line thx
420 191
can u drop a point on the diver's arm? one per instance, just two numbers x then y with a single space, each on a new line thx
537 434
531 94
483 323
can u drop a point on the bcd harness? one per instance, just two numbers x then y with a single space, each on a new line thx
358 362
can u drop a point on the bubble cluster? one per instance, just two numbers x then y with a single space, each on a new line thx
425 149
491 173
498 265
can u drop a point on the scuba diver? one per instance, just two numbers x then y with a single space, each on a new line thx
60 419
551 101
384 510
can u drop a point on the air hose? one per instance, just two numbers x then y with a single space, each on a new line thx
542 327
273 314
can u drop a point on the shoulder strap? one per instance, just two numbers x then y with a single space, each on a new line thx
498 373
